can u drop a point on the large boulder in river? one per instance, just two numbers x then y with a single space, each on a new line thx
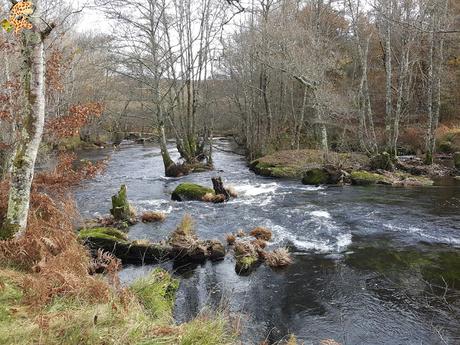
190 191
326 175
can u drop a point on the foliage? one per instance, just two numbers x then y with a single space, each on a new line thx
78 116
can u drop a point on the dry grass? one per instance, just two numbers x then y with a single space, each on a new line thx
278 258
245 249
240 233
262 233
210 197
184 235
259 243
329 342
231 239
153 216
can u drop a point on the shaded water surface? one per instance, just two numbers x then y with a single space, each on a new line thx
371 264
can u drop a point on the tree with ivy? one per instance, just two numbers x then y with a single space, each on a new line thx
31 32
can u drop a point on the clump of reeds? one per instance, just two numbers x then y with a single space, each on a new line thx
184 235
153 216
260 232
259 243
278 258
215 198
231 238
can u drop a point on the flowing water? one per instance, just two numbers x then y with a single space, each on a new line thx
370 263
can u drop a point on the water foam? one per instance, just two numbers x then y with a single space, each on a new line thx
321 214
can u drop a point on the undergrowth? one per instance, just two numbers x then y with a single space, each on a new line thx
50 293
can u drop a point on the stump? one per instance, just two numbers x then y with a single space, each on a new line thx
219 188
121 209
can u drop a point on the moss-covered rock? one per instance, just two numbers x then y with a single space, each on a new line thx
190 191
365 178
457 160
315 176
157 292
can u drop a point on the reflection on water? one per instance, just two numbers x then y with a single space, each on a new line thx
368 260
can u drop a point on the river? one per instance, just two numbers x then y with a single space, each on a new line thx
370 263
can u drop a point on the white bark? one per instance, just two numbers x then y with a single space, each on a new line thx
33 118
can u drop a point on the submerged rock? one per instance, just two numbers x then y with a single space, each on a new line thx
190 191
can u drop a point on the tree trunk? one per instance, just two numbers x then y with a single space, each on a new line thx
388 83
33 118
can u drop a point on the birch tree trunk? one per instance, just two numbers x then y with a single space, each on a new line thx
33 118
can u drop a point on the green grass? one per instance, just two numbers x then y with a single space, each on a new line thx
157 292
142 319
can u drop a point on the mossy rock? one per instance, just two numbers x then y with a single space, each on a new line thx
315 177
365 178
456 158
157 293
269 170
103 233
190 191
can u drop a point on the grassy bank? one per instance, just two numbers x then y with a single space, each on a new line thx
53 292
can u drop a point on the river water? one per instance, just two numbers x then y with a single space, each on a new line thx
371 264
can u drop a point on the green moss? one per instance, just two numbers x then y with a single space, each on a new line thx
157 292
121 209
190 191
103 233
364 178
315 176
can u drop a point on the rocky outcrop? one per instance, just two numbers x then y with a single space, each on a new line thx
325 175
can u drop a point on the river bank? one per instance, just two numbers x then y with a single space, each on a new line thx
328 230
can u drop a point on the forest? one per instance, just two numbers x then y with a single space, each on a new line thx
230 172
